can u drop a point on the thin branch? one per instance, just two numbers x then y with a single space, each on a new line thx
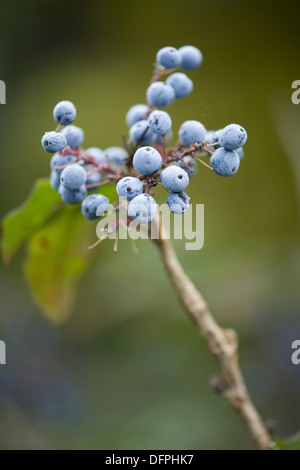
223 344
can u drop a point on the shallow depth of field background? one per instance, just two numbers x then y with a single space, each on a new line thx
129 370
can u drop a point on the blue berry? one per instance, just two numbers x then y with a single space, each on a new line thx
94 206
59 160
54 180
160 95
212 137
191 57
140 133
192 132
72 197
188 164
174 179
178 202
216 138
209 136
73 177
74 135
225 162
116 155
240 152
129 187
181 83
94 178
147 160
233 136
168 57
97 154
136 113
142 208
160 122
64 112
53 141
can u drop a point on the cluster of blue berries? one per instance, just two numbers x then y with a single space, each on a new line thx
148 159
177 85
75 171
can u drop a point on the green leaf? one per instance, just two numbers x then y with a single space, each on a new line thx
21 222
292 443
57 256
57 246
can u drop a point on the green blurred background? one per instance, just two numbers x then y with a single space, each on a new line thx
128 370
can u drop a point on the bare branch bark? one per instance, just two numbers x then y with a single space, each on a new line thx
222 343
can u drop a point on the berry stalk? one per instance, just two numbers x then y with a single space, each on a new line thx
223 344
